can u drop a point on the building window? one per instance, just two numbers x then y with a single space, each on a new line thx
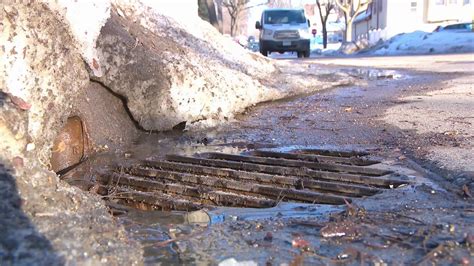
413 6
440 2
453 2
467 2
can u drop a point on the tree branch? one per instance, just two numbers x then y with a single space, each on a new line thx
363 8
261 4
345 8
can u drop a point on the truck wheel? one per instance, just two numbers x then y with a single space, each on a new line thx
264 52
306 54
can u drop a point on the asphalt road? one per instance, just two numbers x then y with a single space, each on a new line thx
413 112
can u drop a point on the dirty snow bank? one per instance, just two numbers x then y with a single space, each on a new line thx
84 31
168 67
168 75
420 42
48 221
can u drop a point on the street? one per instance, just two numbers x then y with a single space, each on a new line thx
152 133
395 113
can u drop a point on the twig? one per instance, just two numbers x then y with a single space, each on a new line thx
169 241
431 254
411 218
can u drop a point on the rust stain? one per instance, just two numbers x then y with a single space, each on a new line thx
69 145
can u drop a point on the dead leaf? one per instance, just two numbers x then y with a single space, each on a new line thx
299 243
466 191
95 64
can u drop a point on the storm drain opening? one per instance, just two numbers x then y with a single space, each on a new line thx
256 179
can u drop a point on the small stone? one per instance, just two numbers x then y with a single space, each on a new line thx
268 236
465 261
452 228
120 12
17 162
30 146
470 239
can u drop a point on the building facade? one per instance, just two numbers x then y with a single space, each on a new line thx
384 19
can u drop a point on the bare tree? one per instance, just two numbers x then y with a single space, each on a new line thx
279 3
208 12
325 7
236 8
351 9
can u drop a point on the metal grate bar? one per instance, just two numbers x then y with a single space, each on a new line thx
154 200
323 157
259 179
300 163
334 187
200 193
257 189
286 171
334 153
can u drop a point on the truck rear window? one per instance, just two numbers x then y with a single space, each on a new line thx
284 17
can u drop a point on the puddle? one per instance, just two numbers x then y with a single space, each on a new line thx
374 74
163 234
363 149
154 230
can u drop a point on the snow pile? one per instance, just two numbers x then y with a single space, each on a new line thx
420 42
85 31
156 15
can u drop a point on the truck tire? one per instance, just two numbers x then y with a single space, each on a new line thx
306 54
264 52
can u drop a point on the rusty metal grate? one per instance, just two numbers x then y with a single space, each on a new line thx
256 179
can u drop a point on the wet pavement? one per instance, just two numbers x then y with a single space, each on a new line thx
423 223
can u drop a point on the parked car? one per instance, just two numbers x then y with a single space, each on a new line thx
254 46
467 26
284 30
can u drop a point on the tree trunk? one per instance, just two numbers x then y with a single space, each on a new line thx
220 18
233 26
349 31
211 8
325 36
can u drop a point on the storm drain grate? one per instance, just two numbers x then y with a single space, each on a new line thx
258 179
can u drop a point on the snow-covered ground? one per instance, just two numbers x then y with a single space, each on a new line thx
420 42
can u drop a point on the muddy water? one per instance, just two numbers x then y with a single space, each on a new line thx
154 229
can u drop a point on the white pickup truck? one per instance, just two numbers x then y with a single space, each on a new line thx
284 30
